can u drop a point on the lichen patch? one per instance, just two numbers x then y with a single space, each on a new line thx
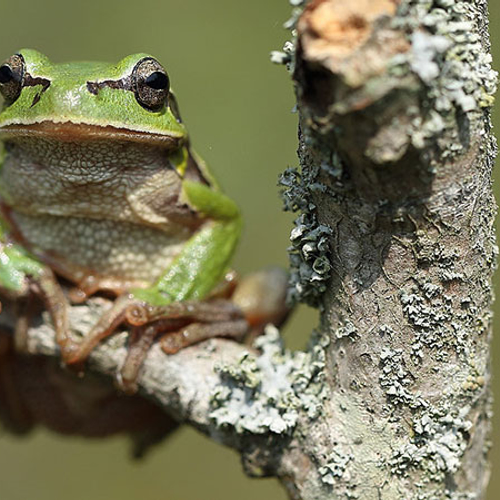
266 393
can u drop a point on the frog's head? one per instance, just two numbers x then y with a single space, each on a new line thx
129 100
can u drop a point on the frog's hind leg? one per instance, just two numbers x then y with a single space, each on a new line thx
74 353
87 283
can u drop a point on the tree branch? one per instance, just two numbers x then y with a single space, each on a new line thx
394 243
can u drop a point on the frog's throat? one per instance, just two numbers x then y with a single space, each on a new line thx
71 132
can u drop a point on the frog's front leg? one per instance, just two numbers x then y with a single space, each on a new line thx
257 300
193 274
175 300
21 279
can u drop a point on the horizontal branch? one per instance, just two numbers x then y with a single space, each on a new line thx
183 383
239 397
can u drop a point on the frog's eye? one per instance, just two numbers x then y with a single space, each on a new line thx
12 77
150 84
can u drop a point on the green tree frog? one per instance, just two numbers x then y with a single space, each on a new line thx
99 187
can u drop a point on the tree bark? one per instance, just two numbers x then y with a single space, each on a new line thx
394 242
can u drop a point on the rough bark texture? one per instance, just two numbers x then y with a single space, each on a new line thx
394 243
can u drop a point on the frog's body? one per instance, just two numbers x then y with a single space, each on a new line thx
93 179
123 221
99 185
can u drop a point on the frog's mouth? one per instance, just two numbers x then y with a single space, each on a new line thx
81 132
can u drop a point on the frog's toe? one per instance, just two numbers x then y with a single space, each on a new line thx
140 342
194 333
78 352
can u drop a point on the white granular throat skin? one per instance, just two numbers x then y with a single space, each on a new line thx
102 208
103 247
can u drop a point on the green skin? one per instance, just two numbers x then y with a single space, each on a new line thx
205 221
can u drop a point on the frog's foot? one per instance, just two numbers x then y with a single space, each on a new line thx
187 322
182 324
259 299
76 352
46 288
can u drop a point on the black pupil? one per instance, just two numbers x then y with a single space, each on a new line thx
157 80
6 74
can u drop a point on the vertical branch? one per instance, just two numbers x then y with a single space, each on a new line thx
396 154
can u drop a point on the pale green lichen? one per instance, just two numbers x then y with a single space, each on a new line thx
440 438
396 380
440 323
310 266
265 393
334 470
425 48
347 330
430 318
286 56
439 494
448 56
298 7
457 87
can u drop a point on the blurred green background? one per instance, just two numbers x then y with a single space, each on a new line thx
237 106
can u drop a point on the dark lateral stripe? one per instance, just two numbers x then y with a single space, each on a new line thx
123 84
30 81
